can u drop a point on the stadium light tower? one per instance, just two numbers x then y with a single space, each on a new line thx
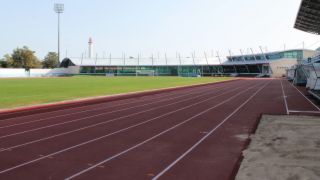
58 8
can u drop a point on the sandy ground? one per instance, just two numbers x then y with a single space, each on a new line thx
283 148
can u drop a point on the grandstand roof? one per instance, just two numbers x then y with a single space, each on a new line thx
182 61
308 18
272 52
145 61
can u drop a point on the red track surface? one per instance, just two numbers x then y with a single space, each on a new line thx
194 133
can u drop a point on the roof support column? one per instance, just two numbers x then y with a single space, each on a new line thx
244 60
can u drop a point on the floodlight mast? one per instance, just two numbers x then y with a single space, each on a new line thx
59 8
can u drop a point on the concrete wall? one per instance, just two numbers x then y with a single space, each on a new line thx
8 72
279 67
38 72
308 53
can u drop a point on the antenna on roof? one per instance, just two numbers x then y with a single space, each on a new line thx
165 56
193 56
81 58
205 55
253 54
110 59
218 57
230 55
263 53
242 55
219 61
124 58
152 61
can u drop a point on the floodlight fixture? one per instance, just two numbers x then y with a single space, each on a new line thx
58 8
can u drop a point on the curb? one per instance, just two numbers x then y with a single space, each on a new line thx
314 95
29 110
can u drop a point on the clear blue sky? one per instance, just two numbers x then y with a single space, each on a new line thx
152 26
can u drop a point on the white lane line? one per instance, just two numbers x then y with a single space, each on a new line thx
116 132
153 137
284 98
92 116
305 97
115 119
206 136
83 111
68 114
313 112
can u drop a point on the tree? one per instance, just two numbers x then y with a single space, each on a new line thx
7 59
22 58
3 63
51 60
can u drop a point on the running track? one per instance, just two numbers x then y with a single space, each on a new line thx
193 133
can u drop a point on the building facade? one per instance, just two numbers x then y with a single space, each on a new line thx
271 64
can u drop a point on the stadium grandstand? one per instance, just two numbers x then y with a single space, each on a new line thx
269 64
308 71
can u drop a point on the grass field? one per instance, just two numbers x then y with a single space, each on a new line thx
22 92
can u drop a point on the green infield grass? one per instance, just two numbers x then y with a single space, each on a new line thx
21 91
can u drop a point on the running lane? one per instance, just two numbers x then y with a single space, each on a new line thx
150 158
218 155
296 100
199 136
12 157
